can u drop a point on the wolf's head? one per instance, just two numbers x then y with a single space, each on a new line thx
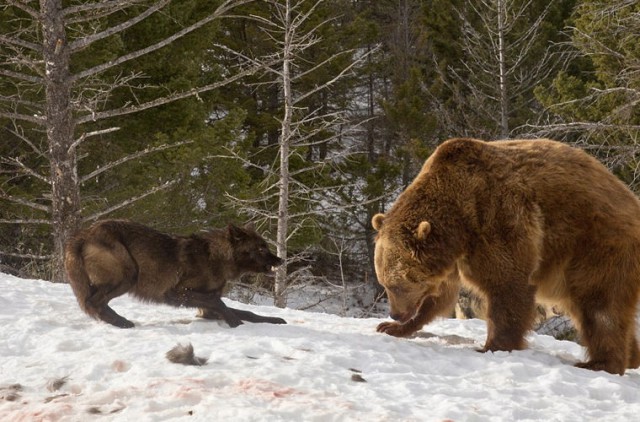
250 251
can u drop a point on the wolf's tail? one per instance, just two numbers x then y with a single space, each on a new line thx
77 275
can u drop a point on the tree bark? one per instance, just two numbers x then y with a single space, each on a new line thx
65 199
285 140
504 94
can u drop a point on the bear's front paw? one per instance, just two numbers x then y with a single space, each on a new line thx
395 329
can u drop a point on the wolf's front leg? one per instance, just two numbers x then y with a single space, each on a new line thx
251 317
215 313
209 301
209 313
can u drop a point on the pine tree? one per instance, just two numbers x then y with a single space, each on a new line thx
73 73
594 101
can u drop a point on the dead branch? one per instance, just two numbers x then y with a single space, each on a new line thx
24 221
84 42
27 256
26 203
130 201
25 169
167 99
223 8
130 157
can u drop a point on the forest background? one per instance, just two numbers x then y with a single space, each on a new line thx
306 117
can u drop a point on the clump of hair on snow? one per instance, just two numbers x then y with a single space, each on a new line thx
184 355
10 392
57 383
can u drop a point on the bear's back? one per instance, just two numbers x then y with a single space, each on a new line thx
578 197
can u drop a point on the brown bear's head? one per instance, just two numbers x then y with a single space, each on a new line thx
408 265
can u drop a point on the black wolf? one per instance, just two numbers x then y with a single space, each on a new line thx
114 257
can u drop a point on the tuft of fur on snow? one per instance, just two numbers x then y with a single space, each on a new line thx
184 355
10 392
57 383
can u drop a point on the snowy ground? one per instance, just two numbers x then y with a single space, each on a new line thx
319 367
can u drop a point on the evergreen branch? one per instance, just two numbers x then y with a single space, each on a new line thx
84 42
131 201
130 157
227 5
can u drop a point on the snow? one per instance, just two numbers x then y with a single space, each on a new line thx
318 367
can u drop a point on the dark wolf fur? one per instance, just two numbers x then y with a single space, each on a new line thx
114 257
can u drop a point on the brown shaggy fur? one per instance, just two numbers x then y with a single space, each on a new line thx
516 221
114 257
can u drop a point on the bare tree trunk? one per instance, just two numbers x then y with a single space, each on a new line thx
504 94
285 139
65 200
499 72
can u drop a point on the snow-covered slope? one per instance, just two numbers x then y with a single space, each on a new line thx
319 367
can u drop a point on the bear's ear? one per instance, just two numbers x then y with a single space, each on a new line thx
423 230
377 221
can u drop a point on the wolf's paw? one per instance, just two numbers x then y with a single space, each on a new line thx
233 321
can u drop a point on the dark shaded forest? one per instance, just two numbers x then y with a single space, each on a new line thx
305 117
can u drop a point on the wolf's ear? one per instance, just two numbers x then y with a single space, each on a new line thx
377 221
250 226
235 233
423 230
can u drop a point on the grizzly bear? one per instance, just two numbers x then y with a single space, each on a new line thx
517 221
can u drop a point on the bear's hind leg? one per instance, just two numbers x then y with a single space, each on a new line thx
606 337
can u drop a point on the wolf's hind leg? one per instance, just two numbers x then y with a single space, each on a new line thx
98 304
